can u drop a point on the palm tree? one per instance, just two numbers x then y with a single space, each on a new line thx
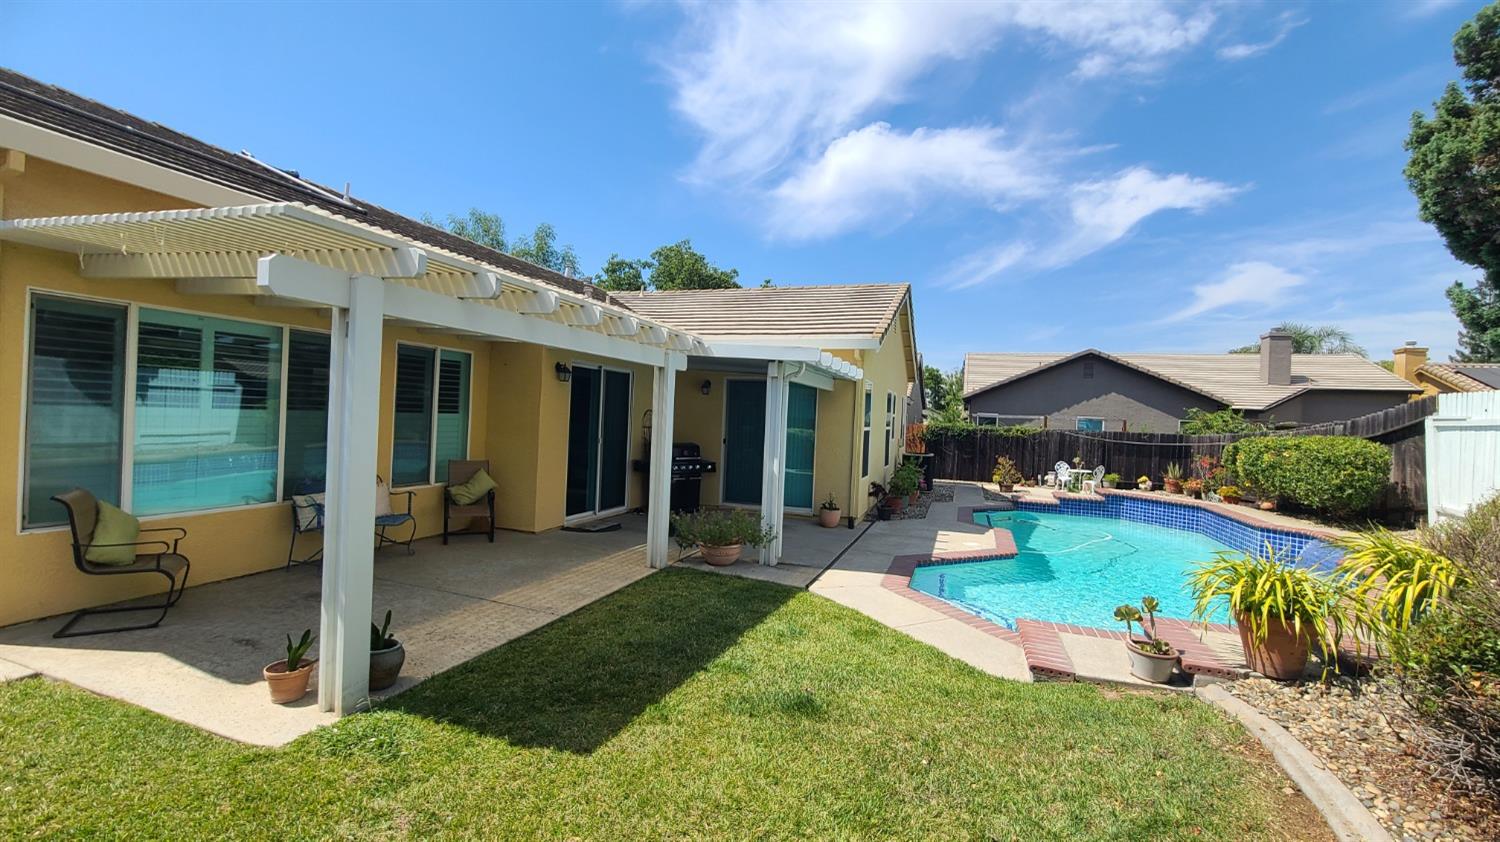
1307 339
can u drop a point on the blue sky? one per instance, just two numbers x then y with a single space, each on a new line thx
1127 176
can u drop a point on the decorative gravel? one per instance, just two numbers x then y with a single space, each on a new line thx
1354 727
918 510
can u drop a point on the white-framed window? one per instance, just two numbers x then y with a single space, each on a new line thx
890 425
864 459
1089 425
430 425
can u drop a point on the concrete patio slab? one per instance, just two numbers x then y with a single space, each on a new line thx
10 671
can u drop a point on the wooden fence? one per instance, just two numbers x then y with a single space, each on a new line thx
971 456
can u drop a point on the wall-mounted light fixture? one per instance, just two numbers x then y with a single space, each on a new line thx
708 386
564 373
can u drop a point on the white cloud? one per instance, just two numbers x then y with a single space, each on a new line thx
1241 51
880 174
1107 210
1426 8
984 264
1254 282
768 83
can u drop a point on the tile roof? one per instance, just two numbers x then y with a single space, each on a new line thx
851 310
1233 379
1465 377
65 112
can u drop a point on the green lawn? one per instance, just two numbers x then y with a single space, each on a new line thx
687 705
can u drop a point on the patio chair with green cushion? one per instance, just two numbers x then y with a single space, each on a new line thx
469 495
152 556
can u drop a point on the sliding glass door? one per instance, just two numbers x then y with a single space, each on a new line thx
598 441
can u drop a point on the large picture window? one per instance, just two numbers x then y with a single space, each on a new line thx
75 404
432 413
207 413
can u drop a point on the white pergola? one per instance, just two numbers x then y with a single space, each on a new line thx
289 254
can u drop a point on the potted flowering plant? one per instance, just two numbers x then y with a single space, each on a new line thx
1151 658
829 513
1006 474
1143 483
720 534
1192 487
1230 494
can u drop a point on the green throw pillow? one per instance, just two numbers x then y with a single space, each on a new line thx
469 492
113 527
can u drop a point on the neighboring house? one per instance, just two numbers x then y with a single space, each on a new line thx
178 321
1440 378
1093 390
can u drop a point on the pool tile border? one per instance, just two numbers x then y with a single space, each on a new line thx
1041 640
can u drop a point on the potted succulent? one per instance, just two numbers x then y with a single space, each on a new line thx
288 677
1151 658
386 655
1192 487
1281 610
1230 494
1172 479
1006 474
720 534
1143 483
829 513
1110 480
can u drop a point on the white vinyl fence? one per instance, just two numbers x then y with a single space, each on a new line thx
1463 453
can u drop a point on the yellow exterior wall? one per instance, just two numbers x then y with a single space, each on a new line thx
887 371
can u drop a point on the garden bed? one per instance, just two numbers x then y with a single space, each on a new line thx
1356 728
915 511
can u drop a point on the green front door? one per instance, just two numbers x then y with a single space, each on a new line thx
744 440
801 430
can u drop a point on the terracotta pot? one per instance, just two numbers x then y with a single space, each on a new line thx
829 518
1231 499
287 687
1268 505
1005 487
1172 486
721 556
895 503
1282 655
912 499
385 666
1150 666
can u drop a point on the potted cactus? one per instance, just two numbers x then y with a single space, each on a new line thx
1006 474
1151 658
288 677
1172 479
386 655
720 535
829 513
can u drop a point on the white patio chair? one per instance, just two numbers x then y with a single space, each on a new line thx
1061 470
1090 485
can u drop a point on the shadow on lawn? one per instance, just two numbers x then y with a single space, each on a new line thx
575 683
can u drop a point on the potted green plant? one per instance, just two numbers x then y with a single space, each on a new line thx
1110 480
288 677
906 480
881 496
1006 474
900 488
829 513
386 655
1230 494
1143 483
1281 610
720 534
1151 658
1172 479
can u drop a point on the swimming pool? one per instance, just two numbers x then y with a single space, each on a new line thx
1072 569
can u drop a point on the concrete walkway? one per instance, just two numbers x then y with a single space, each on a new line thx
858 581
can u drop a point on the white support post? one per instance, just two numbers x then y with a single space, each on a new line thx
349 519
773 461
659 492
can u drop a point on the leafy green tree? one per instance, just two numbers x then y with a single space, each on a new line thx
935 384
1308 339
488 229
1202 423
1454 171
680 266
621 275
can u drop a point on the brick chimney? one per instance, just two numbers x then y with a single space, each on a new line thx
1409 358
1276 358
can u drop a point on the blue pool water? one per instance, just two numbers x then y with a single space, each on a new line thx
1072 569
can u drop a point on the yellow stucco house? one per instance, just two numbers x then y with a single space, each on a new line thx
197 336
1411 365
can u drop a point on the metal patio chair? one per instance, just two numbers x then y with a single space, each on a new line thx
307 519
461 471
158 557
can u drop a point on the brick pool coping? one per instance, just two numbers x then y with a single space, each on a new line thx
1041 640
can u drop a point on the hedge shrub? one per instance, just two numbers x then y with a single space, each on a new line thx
1337 475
